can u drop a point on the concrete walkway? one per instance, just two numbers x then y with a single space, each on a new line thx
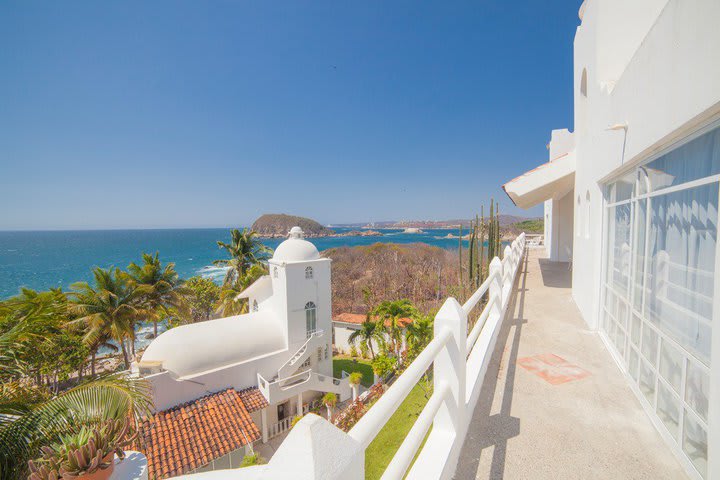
554 404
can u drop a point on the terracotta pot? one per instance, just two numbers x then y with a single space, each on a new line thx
103 473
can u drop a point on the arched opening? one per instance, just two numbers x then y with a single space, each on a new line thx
275 272
310 318
583 83
255 306
308 273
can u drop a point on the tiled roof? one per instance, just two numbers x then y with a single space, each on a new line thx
188 436
359 318
253 399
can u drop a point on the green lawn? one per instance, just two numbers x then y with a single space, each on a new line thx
382 449
351 365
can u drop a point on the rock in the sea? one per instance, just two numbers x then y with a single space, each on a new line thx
279 224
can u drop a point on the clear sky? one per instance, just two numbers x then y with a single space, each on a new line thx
134 114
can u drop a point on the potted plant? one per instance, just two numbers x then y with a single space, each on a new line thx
354 379
329 400
87 454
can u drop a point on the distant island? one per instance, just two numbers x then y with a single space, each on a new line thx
277 225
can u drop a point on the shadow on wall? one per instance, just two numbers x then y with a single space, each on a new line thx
555 274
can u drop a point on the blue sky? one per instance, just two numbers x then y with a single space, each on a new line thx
193 114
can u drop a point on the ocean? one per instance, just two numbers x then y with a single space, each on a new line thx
49 259
41 260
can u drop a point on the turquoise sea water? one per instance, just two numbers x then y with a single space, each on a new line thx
41 260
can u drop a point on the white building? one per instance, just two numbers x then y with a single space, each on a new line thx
631 198
282 347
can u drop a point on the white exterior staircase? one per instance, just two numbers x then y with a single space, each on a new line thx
308 348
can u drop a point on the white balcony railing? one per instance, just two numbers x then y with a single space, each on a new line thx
459 360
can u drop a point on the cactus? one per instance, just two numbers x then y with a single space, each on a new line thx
482 243
471 259
462 288
83 452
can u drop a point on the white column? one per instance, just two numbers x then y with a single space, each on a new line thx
299 404
264 426
449 370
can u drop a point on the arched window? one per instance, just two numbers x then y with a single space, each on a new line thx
308 273
275 272
583 83
310 318
255 306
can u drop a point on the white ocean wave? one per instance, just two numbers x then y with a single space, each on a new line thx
212 271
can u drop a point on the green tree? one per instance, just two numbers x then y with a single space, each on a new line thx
229 303
383 365
418 334
48 348
245 250
201 297
390 313
110 308
164 291
369 331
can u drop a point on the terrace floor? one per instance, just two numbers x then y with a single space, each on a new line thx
554 403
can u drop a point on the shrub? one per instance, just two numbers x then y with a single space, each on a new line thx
251 459
364 353
383 365
353 351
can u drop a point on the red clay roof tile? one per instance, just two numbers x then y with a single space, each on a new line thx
191 435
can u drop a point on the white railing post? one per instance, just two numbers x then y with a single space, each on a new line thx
495 295
449 373
507 274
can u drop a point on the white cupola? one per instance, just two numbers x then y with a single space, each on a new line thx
295 248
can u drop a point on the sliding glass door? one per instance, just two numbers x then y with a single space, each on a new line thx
658 291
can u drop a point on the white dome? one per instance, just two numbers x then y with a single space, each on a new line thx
296 248
201 347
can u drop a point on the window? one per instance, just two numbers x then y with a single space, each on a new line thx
306 363
583 83
308 273
254 306
660 246
319 353
310 318
275 272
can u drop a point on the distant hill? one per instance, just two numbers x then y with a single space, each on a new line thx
279 224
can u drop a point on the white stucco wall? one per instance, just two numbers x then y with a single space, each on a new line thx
639 57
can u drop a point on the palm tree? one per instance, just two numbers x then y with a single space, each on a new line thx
245 250
164 290
369 331
329 400
109 309
229 303
390 313
419 333
30 418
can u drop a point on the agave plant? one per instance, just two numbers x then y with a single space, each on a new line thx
84 452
